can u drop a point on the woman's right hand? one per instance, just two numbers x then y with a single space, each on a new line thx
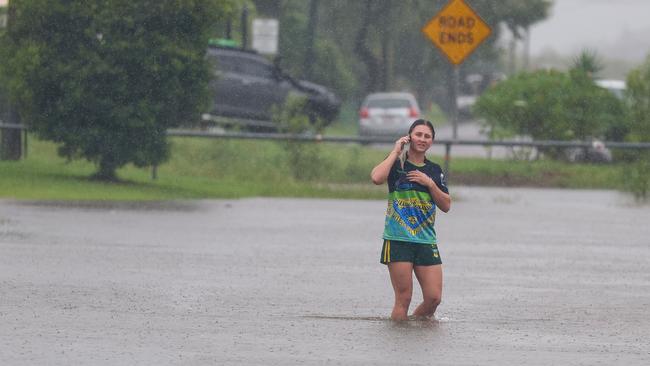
399 144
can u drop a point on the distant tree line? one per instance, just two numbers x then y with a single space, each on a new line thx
362 46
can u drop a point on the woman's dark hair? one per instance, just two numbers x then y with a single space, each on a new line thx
423 122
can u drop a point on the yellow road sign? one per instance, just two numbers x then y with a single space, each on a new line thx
457 30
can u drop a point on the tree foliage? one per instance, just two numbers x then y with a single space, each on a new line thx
105 79
519 15
588 62
638 94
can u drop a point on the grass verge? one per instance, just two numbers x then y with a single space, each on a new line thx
208 168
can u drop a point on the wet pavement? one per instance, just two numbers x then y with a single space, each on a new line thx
532 276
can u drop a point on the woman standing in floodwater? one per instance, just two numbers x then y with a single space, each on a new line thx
416 186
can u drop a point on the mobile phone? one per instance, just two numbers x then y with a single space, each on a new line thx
402 155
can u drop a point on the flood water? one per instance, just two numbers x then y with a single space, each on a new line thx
535 277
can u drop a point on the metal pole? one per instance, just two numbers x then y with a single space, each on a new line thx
454 102
25 145
244 27
447 158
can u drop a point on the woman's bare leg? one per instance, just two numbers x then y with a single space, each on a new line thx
430 279
401 276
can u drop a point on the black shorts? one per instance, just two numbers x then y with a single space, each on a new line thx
416 253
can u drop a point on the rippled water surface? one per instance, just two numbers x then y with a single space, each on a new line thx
535 277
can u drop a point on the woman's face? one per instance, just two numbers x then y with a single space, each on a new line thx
421 138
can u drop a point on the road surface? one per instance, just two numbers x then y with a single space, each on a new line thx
535 277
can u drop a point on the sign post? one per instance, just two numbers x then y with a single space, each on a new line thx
457 30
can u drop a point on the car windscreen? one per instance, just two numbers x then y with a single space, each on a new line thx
388 103
241 65
224 63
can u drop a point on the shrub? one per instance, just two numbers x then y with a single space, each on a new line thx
549 105
305 159
638 94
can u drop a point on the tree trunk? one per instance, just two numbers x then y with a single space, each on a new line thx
385 61
526 49
106 171
12 143
364 53
310 58
513 55
386 49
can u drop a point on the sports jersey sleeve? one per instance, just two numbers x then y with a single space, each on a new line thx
439 177
394 174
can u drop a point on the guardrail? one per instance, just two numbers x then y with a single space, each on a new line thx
448 143
14 126
389 140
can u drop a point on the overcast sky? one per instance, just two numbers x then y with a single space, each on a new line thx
615 28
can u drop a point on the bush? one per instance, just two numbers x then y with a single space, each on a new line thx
638 94
549 105
305 159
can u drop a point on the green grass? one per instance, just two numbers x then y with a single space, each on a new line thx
541 173
215 168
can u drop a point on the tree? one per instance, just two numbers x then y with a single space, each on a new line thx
328 66
105 79
638 94
588 62
519 16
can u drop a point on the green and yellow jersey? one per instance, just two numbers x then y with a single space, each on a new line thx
411 212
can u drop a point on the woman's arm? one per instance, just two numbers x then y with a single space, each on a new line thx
379 174
440 198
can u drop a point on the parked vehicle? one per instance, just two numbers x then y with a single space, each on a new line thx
596 153
616 87
247 85
387 114
465 104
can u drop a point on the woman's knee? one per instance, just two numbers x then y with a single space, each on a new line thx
433 299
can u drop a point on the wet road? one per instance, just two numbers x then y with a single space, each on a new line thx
535 277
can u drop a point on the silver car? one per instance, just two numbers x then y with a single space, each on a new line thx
387 114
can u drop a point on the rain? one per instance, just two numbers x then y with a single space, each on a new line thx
207 182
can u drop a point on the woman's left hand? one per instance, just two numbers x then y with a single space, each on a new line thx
419 177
